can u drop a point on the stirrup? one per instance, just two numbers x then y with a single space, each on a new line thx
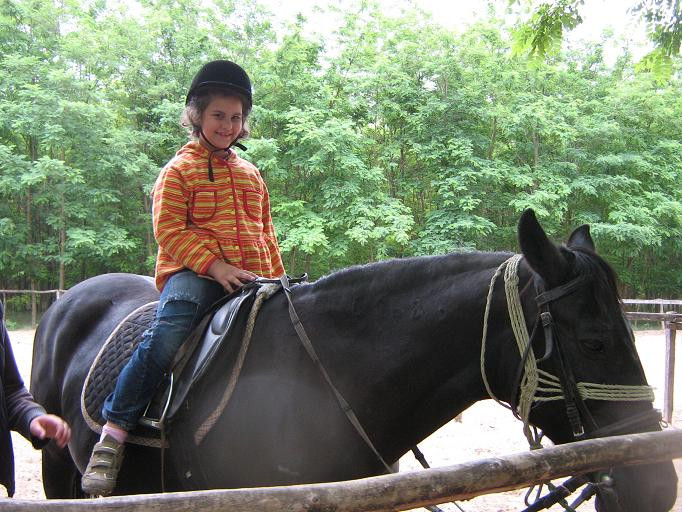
157 423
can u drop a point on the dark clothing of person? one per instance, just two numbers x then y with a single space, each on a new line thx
17 409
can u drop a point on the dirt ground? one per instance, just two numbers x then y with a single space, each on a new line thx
486 430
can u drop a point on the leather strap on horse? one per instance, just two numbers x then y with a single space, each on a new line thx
343 403
345 406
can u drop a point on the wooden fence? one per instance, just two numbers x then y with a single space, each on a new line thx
671 322
34 303
400 491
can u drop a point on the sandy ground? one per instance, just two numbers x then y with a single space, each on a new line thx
486 430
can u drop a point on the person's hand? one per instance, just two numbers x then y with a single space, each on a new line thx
229 276
51 427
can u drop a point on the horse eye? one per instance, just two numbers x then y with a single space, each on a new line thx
592 344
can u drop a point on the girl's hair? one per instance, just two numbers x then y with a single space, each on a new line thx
191 116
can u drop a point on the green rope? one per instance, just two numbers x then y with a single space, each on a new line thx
538 385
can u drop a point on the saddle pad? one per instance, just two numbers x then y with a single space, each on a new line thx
120 345
106 367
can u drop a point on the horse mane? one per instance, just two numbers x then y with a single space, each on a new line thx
417 268
412 268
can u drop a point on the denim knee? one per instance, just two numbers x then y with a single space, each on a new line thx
184 300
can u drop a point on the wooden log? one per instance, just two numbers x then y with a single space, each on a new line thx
667 302
31 291
654 317
400 491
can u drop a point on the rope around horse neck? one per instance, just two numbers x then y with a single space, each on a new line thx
531 390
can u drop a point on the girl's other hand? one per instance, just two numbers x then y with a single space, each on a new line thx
229 276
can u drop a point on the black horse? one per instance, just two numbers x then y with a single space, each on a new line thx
401 340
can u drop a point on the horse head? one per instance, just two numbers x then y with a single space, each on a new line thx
590 360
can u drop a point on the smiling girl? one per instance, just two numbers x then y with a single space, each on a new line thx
211 217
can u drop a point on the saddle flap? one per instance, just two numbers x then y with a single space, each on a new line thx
221 327
112 357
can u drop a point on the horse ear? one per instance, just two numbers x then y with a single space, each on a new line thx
581 239
543 256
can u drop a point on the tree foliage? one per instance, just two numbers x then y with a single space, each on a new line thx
542 33
389 137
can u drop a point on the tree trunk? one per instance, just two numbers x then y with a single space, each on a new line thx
34 312
292 262
306 266
62 247
493 136
536 149
149 233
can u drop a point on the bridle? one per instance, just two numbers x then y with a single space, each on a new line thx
534 386
577 412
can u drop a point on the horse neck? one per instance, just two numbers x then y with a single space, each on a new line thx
404 338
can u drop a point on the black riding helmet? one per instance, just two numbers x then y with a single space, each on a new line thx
225 74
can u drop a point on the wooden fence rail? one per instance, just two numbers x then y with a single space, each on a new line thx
34 305
400 491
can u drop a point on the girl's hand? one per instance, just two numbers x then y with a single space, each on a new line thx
229 276
51 427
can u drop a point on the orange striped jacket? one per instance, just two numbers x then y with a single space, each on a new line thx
197 221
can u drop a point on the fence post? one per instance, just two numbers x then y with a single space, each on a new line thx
669 392
34 307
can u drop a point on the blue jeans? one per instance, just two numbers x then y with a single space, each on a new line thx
184 300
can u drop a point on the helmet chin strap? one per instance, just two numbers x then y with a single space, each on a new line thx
218 149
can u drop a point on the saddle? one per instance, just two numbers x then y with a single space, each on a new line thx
218 327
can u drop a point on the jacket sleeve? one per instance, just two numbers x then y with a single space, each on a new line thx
170 214
21 407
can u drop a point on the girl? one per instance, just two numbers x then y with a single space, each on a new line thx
211 216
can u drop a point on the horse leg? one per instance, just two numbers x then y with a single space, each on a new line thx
61 478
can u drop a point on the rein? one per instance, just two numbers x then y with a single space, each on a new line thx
343 403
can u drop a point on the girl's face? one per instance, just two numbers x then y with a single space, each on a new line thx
222 122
